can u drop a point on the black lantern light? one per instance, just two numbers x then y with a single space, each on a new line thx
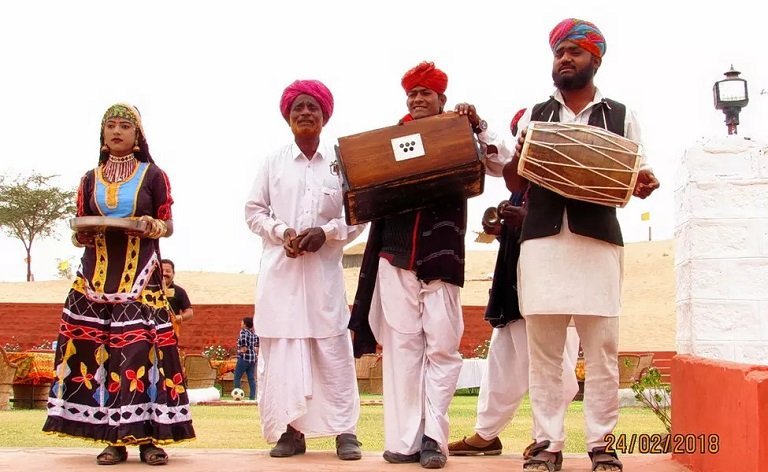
731 96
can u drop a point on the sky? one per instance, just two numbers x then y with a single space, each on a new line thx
207 77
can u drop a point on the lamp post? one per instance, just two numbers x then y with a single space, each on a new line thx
731 96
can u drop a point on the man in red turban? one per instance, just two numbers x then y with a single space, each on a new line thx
295 206
426 75
408 296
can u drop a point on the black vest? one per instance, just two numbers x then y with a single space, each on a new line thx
545 208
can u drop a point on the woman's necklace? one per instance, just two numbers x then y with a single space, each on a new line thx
119 169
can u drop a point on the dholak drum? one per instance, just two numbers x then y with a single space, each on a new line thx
580 161
100 224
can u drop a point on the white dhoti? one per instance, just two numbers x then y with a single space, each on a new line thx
505 381
308 383
562 276
419 326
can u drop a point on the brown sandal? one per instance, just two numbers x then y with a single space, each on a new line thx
536 455
112 455
152 455
599 456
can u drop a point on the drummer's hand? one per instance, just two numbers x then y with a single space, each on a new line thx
512 216
493 230
646 183
290 243
519 145
469 110
311 239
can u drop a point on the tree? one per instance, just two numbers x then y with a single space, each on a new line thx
30 207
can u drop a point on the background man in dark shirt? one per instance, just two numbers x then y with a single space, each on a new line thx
177 296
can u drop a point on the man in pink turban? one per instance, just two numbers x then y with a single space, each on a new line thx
313 88
571 261
307 379
408 295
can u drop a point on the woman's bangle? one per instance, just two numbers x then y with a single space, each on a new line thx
159 228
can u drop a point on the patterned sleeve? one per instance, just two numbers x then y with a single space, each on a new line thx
161 195
241 341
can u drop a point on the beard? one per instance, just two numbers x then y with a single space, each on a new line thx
306 131
577 81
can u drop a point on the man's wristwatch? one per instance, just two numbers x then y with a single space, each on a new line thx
482 126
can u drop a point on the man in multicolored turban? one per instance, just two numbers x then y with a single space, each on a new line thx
408 296
308 385
571 260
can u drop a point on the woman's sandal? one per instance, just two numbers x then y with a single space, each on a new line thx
536 455
112 455
152 455
599 456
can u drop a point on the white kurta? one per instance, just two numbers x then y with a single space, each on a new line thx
306 370
302 297
551 270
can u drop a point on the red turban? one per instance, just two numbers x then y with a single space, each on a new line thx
313 88
515 121
583 33
425 75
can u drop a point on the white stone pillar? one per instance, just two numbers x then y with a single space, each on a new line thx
721 251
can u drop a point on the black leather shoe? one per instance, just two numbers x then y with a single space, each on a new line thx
291 442
397 458
348 447
432 456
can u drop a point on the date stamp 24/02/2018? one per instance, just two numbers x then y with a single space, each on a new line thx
663 443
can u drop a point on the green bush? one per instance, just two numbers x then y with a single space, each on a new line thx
656 395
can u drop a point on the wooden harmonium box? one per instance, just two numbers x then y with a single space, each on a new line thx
410 166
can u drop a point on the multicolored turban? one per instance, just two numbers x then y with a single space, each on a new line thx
425 75
583 33
313 88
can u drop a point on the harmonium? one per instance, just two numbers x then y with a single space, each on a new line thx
409 166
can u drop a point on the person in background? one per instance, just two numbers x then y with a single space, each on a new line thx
181 307
247 356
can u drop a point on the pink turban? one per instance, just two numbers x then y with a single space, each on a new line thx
583 33
313 88
425 75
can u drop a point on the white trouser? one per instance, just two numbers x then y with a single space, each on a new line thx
599 341
308 383
419 327
505 381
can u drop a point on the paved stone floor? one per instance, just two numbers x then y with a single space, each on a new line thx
244 460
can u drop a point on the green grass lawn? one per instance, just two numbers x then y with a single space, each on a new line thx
238 427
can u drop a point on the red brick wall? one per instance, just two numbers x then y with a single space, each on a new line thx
31 323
